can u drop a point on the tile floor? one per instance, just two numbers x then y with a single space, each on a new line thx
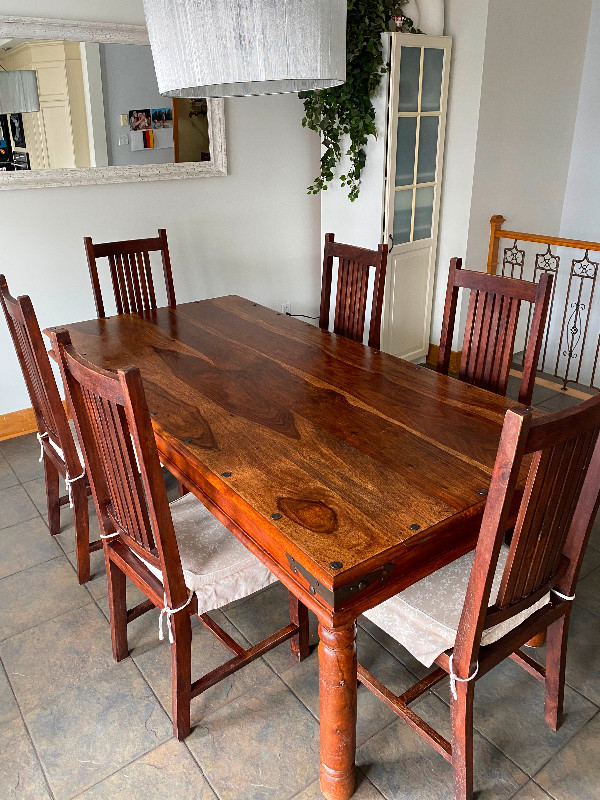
73 724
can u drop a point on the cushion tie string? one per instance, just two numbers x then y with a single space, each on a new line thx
108 535
69 481
168 612
40 438
561 595
454 678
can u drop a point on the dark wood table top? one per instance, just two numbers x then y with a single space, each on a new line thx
343 454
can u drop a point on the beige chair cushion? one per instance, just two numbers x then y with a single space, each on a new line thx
424 618
216 566
75 439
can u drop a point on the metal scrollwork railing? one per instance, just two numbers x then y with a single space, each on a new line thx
571 345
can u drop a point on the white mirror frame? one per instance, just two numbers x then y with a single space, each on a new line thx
110 33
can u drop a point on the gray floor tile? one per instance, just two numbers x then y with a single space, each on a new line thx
90 732
509 712
22 454
364 790
15 507
207 654
531 791
263 746
262 614
66 537
97 585
573 773
7 476
587 593
36 489
591 561
142 633
24 545
372 714
21 777
559 402
583 654
540 393
404 767
8 706
37 594
76 648
166 773
594 540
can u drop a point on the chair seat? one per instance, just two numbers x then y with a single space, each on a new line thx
75 439
424 618
217 567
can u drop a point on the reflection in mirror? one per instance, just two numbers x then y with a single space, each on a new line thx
99 106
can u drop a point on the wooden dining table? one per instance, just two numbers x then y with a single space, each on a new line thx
348 472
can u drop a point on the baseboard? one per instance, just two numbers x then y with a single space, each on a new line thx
433 353
18 423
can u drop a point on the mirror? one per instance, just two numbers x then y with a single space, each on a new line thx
101 117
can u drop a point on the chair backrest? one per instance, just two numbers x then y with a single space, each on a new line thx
113 421
130 272
558 508
354 264
49 411
491 327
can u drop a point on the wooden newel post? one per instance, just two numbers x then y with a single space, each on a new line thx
337 702
496 223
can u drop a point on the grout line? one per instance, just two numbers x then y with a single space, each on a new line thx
28 733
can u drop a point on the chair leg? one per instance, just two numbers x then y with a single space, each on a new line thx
182 490
556 657
461 711
82 531
299 617
181 674
117 602
52 495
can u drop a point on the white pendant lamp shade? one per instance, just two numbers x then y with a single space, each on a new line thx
231 48
18 91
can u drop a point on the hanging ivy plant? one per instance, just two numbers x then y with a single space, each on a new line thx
348 109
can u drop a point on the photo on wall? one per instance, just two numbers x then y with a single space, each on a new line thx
162 117
140 120
17 130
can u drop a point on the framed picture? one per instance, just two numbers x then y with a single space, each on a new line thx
17 130
140 120
162 117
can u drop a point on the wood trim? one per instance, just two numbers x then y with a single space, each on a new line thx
19 423
455 356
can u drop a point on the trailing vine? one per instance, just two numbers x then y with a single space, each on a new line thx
348 109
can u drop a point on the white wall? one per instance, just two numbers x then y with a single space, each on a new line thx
254 232
531 79
581 211
466 22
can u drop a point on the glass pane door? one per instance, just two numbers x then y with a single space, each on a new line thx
417 142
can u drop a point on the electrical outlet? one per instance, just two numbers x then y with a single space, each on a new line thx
286 308
124 139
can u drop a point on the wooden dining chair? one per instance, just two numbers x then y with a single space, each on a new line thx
491 327
354 266
481 609
179 555
130 272
60 449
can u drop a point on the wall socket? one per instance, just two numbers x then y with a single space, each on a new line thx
286 308
124 139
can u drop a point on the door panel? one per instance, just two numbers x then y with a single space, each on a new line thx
408 276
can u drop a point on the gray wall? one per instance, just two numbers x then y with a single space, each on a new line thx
128 83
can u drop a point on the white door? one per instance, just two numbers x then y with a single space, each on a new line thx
416 124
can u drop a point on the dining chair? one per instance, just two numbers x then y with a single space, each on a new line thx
354 266
472 614
179 555
130 272
491 327
59 445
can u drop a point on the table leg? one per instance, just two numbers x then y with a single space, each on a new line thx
337 702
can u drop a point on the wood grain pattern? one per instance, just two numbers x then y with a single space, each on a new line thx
282 417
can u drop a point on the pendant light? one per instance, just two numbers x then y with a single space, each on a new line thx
19 91
231 48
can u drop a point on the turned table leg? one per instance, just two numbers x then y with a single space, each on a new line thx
337 702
